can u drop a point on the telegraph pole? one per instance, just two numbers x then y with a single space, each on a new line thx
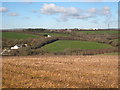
108 26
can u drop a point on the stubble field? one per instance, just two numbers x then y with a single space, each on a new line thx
100 71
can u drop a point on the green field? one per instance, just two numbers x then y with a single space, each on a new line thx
115 53
55 34
14 35
100 32
63 44
116 39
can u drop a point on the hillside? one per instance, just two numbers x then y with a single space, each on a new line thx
61 45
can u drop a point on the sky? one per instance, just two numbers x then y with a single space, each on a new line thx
59 0
57 15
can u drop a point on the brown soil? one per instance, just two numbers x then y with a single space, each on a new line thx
100 71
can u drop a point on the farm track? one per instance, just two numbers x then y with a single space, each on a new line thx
99 71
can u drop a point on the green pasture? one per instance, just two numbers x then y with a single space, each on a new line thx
100 32
116 40
64 44
15 35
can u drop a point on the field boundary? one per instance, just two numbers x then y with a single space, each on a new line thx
89 52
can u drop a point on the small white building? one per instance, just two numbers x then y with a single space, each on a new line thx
15 47
94 28
48 36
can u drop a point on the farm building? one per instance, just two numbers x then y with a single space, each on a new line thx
15 47
94 28
48 35
18 46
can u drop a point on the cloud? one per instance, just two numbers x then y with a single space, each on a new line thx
3 9
53 9
106 10
92 10
67 13
13 14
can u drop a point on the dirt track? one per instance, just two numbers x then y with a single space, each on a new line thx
99 71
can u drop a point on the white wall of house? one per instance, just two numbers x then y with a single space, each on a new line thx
48 36
15 47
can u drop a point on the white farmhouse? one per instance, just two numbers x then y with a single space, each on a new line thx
15 47
48 36
95 28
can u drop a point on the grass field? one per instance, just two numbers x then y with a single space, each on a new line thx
117 40
60 72
63 44
14 35
100 32
56 34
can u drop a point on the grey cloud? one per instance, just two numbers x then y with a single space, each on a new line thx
13 14
3 9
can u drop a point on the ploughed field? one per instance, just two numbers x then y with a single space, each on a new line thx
99 71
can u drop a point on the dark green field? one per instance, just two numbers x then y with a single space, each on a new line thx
64 44
117 40
55 34
14 35
100 32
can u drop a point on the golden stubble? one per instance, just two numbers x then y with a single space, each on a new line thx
99 71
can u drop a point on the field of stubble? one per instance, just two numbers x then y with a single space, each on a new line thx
100 71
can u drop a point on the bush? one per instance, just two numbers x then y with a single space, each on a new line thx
115 43
24 51
39 51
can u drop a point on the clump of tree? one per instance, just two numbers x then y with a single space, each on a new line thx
7 43
35 30
24 51
38 43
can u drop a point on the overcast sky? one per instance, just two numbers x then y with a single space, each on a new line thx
59 14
